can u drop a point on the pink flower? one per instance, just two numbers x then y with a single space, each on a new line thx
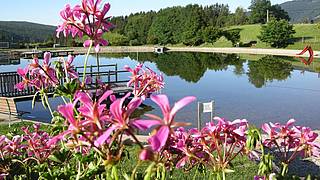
146 154
159 139
75 126
93 111
289 138
144 82
25 80
120 118
86 19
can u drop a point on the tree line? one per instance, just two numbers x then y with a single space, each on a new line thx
190 25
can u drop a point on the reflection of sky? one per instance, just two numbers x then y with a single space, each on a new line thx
297 97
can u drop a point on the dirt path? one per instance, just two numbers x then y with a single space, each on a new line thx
279 52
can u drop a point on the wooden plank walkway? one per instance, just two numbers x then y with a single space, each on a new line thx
109 74
39 54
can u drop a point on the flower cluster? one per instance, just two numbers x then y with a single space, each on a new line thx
86 19
290 140
33 143
44 76
11 147
144 82
215 146
38 143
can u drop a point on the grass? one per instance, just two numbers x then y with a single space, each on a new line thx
306 34
16 127
244 168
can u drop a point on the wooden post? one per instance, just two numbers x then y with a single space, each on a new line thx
116 73
199 115
109 76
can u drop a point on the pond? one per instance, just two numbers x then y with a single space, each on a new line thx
257 88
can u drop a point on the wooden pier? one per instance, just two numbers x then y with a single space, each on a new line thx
109 74
39 54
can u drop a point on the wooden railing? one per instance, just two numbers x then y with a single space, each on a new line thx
8 80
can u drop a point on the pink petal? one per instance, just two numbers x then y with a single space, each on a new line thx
87 43
158 140
97 48
57 138
105 96
163 102
133 105
20 86
145 124
67 112
266 128
46 58
104 136
70 59
182 162
290 122
180 104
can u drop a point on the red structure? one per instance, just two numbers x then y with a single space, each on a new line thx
311 55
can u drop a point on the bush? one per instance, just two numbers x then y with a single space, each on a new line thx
277 33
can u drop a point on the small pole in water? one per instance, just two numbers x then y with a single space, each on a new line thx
199 115
137 56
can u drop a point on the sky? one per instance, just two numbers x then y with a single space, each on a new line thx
47 11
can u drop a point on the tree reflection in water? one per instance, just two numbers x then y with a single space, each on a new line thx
267 69
192 66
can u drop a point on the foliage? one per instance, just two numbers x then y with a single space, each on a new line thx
89 137
268 69
232 35
15 31
277 33
259 10
278 13
116 39
187 25
239 17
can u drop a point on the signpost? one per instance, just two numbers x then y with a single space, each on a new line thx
205 108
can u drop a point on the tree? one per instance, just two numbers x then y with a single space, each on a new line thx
277 33
232 35
240 16
277 12
138 26
259 11
210 34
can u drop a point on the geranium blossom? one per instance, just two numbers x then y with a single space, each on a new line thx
86 19
166 123
144 82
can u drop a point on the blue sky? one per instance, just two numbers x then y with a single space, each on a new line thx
47 11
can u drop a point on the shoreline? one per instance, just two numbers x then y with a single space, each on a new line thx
236 50
227 50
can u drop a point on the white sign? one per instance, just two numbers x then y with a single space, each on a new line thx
207 107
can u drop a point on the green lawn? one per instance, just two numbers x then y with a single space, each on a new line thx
305 34
16 127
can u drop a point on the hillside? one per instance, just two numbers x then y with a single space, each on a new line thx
302 10
18 31
306 34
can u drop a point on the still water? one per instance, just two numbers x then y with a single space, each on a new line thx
259 89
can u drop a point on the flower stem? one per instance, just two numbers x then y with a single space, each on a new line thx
47 102
86 62
66 70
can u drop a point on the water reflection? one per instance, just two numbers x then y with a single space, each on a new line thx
258 88
267 69
192 66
